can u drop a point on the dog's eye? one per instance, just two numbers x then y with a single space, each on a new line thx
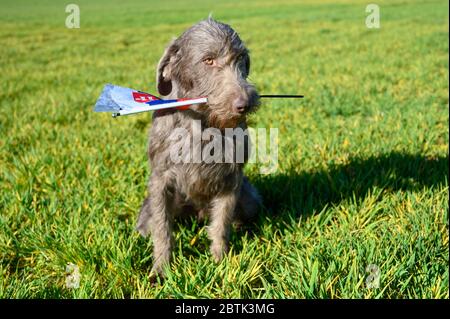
208 61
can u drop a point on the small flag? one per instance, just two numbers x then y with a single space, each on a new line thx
125 101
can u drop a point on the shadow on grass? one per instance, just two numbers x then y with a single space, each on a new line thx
293 194
290 195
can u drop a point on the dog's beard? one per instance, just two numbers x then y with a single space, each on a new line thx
219 116
222 120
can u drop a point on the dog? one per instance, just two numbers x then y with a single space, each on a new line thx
209 59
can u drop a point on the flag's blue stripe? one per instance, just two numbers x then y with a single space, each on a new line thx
156 102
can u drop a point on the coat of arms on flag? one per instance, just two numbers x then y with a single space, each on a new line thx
142 97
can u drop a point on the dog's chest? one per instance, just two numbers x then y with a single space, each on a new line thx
201 182
198 164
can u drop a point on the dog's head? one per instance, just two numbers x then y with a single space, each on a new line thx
209 59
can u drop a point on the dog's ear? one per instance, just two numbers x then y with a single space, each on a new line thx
164 70
247 65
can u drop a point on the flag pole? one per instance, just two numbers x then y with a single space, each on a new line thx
280 96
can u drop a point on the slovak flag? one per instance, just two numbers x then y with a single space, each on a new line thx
125 101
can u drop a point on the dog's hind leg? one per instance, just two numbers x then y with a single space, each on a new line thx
142 225
248 204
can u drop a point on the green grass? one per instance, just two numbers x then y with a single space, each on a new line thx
363 159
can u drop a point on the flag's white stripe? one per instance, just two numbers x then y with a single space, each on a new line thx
163 106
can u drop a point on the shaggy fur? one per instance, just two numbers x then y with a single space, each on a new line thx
209 59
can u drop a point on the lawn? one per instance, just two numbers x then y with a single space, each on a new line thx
363 158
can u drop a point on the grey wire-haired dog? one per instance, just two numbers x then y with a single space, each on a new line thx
209 59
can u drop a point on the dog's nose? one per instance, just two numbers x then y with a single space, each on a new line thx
240 105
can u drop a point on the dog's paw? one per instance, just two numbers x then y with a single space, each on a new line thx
218 251
156 276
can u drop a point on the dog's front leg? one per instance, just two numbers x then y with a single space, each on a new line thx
221 213
157 216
